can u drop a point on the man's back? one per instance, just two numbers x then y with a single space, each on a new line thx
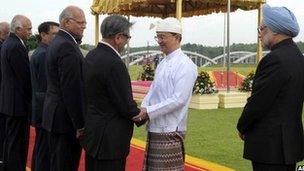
15 97
37 65
110 105
63 107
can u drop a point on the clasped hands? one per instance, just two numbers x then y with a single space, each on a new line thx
242 136
143 115
79 133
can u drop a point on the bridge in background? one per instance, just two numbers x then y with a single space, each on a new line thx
137 58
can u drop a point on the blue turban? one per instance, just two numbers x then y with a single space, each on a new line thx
280 20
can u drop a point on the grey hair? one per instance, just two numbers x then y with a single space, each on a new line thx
16 23
65 14
114 24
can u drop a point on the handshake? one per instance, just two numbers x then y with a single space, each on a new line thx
141 118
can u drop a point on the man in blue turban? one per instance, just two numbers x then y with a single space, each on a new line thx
280 20
271 122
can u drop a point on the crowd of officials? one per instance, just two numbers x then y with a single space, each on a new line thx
78 103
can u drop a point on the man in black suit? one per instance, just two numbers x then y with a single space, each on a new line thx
64 102
110 104
16 93
47 32
4 33
271 122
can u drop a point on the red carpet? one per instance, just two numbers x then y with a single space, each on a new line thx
142 83
235 80
134 161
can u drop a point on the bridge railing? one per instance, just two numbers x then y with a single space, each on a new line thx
136 58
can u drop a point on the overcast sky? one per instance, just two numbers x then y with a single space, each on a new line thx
206 30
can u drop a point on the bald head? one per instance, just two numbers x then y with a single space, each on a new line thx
72 19
4 30
69 12
21 26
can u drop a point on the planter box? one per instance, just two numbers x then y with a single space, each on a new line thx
139 92
206 101
232 99
248 94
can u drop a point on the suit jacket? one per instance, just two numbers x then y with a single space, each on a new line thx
272 118
110 105
64 102
16 90
38 76
1 42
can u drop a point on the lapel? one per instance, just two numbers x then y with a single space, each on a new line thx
14 37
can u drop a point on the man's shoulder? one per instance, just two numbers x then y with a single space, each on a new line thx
61 43
59 40
184 60
103 53
13 46
12 42
38 53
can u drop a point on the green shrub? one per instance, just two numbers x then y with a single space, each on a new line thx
247 84
148 72
203 84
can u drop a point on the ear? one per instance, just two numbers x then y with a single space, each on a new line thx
117 38
66 22
18 29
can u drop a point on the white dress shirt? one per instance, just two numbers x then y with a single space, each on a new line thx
168 98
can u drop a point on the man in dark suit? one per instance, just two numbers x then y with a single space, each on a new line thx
4 33
40 157
110 104
64 102
16 93
271 122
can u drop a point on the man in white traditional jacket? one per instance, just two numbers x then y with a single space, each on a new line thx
166 104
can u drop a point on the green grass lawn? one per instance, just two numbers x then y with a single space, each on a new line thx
212 136
135 71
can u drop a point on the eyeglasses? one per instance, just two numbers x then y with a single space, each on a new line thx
161 37
261 28
82 23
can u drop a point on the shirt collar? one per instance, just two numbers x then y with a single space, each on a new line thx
172 54
69 34
105 43
282 43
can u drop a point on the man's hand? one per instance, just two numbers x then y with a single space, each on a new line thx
242 136
143 115
80 133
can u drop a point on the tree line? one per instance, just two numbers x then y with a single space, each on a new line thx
210 51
